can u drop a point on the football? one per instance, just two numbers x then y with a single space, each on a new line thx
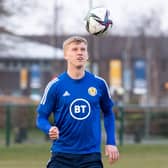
98 21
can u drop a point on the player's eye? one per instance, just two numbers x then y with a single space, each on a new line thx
83 49
74 49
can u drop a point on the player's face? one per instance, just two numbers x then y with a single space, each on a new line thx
76 54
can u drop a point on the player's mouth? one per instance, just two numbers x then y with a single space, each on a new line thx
80 58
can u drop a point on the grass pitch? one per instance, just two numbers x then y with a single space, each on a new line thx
36 156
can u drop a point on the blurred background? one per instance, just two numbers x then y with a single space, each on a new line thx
132 58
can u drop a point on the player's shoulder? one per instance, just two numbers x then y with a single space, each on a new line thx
55 81
58 78
52 83
97 78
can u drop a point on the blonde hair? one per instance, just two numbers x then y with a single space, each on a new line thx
76 39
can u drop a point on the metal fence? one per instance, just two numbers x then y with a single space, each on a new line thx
142 124
134 124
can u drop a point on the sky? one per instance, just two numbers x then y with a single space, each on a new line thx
70 19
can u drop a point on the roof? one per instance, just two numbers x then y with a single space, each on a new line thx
16 47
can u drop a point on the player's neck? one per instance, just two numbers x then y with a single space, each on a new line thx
76 73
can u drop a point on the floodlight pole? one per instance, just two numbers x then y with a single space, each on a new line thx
127 70
90 4
94 49
92 40
56 31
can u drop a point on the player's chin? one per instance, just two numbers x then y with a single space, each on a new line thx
79 66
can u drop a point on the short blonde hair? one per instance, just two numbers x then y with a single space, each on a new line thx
76 39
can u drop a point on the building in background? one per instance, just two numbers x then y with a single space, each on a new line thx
19 54
26 66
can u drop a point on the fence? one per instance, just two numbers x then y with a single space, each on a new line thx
142 124
133 124
16 121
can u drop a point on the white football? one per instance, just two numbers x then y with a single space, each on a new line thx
98 21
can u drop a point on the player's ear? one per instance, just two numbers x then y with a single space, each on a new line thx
65 54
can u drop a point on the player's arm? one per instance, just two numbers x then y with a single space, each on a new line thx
109 123
46 107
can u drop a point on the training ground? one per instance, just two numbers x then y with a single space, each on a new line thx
36 156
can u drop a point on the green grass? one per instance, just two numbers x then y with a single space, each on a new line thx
142 156
36 156
27 156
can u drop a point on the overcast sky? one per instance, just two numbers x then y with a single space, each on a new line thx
39 19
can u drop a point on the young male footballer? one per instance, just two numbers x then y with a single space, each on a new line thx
76 98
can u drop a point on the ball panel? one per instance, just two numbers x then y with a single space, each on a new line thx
99 12
95 26
97 21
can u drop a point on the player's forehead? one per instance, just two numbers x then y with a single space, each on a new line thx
74 41
77 44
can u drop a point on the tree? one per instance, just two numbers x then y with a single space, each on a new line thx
3 11
12 8
9 8
148 28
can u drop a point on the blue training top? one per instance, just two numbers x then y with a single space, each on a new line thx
76 105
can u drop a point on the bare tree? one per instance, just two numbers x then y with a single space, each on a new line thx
2 8
10 8
148 23
148 27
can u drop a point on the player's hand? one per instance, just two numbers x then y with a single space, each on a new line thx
53 133
112 152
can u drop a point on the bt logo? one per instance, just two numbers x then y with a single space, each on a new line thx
80 109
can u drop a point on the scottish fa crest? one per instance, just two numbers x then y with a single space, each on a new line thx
92 91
